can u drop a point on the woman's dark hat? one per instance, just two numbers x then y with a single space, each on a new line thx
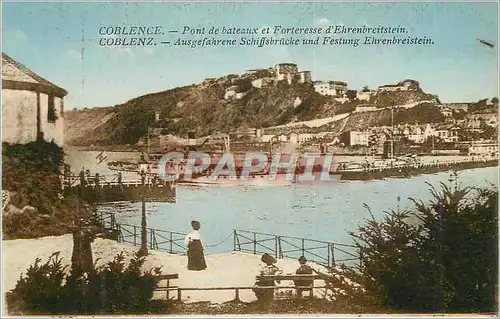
195 224
268 259
302 259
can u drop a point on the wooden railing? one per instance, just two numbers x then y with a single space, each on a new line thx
108 221
322 252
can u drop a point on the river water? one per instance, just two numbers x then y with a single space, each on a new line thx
323 212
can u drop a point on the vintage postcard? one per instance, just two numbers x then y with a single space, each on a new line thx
249 158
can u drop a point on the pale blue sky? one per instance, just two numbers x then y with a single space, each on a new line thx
47 37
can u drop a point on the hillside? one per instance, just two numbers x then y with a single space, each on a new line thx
87 124
206 108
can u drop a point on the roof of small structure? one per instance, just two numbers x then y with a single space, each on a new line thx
14 72
287 64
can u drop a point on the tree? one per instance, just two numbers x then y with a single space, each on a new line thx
494 101
436 98
366 88
351 94
439 257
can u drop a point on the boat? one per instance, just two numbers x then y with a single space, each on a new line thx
264 178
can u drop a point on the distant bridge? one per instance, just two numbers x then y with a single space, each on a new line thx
111 188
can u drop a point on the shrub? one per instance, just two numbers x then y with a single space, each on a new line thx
110 289
41 290
440 257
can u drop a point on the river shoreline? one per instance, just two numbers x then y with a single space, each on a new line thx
411 171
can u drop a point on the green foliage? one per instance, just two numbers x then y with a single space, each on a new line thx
352 94
41 290
31 171
440 257
243 85
114 288
422 113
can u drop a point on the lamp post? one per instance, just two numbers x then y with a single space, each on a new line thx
143 167
392 132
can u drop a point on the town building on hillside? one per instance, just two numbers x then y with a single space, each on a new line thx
446 111
230 92
286 71
365 96
250 132
262 82
457 106
255 71
353 138
330 88
305 77
290 73
157 116
365 108
405 85
32 107
474 120
447 133
417 134
488 149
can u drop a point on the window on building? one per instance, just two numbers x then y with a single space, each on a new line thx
51 110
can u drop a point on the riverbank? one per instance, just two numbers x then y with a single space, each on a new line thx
410 171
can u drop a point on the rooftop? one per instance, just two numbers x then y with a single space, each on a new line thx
16 72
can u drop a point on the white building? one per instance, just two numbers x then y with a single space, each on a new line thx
447 133
364 96
305 77
353 138
286 71
330 88
405 85
365 108
489 149
32 107
230 92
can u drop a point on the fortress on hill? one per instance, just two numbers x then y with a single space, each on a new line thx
290 73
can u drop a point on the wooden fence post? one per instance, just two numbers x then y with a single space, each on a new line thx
120 234
152 234
328 252
333 255
135 235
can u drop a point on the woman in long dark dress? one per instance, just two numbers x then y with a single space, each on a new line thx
196 258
